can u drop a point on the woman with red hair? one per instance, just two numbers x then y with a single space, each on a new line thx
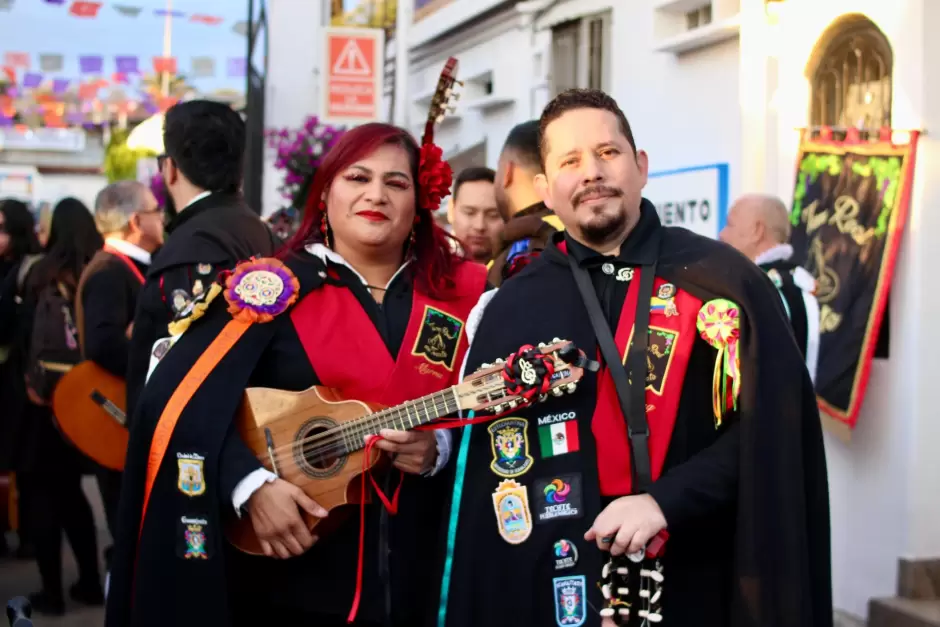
367 298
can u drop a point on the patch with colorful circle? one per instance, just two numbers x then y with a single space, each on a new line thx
566 554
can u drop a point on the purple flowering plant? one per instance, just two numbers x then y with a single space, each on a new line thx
299 154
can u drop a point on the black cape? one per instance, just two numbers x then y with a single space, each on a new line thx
172 588
768 567
219 230
161 592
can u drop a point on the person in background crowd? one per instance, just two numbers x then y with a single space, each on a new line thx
367 298
759 226
127 214
476 219
531 223
211 230
19 248
49 470
697 465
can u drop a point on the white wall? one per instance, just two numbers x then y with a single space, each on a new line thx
504 51
292 89
85 187
884 484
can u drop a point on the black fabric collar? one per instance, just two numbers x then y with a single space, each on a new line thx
199 207
531 210
640 248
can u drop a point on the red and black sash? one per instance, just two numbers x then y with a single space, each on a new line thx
671 338
127 261
348 354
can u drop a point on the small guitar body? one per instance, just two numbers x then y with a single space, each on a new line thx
282 427
89 407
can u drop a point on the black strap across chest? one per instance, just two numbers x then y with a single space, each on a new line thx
631 391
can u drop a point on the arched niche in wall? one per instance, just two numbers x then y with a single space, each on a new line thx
850 73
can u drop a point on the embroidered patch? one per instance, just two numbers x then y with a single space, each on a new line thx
570 600
665 300
204 268
566 554
510 444
511 504
438 338
659 352
180 300
192 544
191 480
558 497
558 434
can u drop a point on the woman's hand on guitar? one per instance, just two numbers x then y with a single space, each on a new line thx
276 518
413 451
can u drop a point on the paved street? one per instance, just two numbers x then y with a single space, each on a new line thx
21 578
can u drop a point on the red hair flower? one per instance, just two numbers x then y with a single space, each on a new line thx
434 177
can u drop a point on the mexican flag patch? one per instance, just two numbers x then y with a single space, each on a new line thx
558 438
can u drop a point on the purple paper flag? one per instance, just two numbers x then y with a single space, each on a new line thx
55 1
74 117
89 126
91 64
126 65
237 67
5 121
13 91
60 85
164 12
151 107
32 79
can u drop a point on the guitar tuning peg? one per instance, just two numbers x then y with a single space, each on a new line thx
459 83
455 95
439 119
452 108
571 387
555 340
625 591
656 596
542 397
542 345
486 365
607 612
500 361
557 391
624 612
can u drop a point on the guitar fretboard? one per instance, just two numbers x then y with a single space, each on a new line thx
401 417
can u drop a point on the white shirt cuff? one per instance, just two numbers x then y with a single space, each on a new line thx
248 486
444 438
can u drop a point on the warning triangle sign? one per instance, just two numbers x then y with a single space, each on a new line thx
351 61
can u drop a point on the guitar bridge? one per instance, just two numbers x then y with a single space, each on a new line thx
269 440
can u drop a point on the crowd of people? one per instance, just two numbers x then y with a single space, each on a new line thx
699 485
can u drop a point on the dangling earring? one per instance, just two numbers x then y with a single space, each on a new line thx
412 241
324 225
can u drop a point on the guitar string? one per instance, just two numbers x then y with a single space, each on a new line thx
338 445
360 427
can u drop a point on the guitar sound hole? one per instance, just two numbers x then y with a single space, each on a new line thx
319 451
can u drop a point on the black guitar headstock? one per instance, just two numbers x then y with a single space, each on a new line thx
633 584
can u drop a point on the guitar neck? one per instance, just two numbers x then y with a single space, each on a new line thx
409 415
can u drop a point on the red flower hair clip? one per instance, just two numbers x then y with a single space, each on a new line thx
434 177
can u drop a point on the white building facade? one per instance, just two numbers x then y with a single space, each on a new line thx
716 91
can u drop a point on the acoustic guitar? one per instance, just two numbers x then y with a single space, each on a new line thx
88 404
315 439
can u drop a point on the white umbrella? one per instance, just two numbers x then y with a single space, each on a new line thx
148 135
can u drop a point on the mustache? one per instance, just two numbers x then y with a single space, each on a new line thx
596 190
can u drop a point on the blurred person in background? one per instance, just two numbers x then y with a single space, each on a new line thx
531 224
49 470
759 227
473 212
19 248
127 214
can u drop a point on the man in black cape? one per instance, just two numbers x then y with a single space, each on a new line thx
210 230
727 465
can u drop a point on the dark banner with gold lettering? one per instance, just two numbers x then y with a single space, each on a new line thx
850 204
